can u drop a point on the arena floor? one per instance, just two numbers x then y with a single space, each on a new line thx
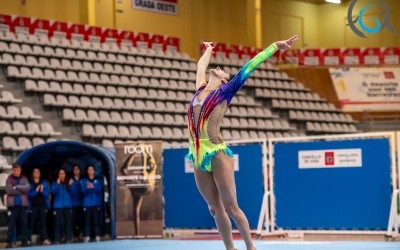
218 245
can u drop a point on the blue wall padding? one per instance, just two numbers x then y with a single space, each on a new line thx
185 207
334 198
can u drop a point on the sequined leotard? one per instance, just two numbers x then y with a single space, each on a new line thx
205 117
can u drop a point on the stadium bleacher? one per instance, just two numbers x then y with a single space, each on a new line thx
111 94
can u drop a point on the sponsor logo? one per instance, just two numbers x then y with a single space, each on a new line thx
138 149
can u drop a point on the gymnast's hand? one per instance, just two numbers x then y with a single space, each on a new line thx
287 44
208 45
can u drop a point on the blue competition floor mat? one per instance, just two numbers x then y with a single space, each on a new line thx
218 245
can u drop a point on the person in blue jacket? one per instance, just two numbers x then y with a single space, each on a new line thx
92 189
76 195
39 204
62 207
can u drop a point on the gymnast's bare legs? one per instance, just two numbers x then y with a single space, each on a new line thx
218 188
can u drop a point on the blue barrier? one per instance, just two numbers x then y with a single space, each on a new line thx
353 197
184 206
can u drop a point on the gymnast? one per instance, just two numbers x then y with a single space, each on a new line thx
214 170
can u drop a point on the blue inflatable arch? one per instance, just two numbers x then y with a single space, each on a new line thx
52 156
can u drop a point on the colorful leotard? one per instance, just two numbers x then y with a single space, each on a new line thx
205 116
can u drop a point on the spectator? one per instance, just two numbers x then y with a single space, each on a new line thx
76 195
39 204
62 208
92 189
17 189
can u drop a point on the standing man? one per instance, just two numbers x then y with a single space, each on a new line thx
17 189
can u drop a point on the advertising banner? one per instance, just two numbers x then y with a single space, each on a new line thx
362 89
139 190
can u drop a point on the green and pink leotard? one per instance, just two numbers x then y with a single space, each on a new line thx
205 117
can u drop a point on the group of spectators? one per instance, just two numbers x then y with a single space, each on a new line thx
75 203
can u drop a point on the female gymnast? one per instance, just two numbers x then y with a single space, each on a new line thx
214 173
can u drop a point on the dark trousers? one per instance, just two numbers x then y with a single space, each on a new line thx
17 222
77 221
91 221
62 224
38 218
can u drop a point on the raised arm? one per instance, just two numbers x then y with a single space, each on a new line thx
240 78
202 65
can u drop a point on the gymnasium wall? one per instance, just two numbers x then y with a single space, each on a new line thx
102 13
282 19
233 21
227 21
316 26
180 26
75 11
222 20
336 34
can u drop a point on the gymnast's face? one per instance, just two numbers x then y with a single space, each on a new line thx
221 76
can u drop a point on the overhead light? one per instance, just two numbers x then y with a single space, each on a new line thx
333 1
